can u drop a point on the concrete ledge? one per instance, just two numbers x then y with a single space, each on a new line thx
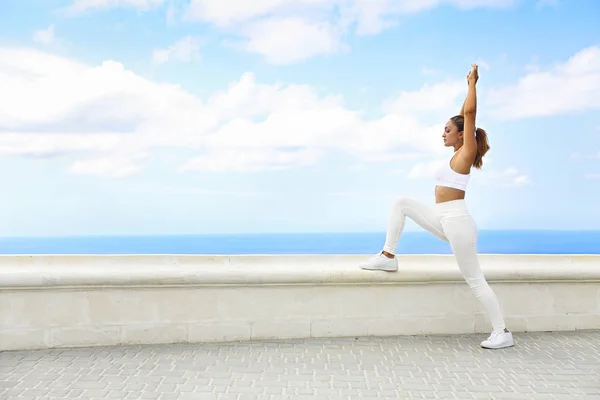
57 301
166 270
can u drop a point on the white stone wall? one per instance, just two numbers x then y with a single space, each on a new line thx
57 301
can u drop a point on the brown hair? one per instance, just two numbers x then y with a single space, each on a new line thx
480 136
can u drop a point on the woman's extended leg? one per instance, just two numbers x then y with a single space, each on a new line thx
462 235
402 208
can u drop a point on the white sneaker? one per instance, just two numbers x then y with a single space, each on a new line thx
381 262
498 340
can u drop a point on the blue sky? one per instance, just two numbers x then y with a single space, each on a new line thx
206 116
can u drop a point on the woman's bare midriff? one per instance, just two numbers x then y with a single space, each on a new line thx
443 194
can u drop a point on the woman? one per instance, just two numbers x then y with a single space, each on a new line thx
449 219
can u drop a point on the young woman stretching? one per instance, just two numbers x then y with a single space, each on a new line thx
449 219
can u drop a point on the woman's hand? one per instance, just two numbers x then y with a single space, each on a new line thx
473 75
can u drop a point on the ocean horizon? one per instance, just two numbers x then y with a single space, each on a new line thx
413 242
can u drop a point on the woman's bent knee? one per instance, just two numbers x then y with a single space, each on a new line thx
403 201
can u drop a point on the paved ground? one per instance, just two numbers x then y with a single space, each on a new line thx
540 366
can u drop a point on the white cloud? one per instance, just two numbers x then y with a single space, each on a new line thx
289 31
79 6
251 160
45 36
63 108
102 115
291 40
33 144
247 98
566 88
440 98
105 114
185 50
229 12
373 16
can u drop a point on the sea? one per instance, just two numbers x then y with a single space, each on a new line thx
490 242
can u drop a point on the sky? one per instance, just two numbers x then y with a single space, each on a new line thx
145 117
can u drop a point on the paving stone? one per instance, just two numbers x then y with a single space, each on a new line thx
553 365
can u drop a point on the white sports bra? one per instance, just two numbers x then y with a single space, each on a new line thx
446 176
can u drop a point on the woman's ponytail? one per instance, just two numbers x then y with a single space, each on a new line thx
482 147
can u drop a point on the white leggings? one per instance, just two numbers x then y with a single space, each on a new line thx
451 222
